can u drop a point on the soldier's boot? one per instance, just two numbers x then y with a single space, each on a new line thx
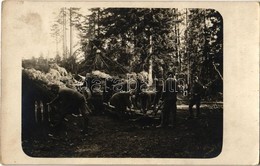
198 110
191 116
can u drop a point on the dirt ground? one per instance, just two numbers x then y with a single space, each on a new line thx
135 137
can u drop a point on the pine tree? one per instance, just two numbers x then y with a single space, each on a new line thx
204 45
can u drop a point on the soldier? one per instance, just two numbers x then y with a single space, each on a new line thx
70 102
195 97
108 90
145 100
159 88
89 82
169 98
121 100
140 86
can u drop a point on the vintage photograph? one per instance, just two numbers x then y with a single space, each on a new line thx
122 82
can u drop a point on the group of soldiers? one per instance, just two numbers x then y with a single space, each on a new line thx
73 102
169 98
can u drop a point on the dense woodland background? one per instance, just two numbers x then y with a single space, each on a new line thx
124 40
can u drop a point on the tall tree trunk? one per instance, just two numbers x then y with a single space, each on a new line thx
98 18
56 39
186 51
71 40
150 72
64 34
206 53
178 41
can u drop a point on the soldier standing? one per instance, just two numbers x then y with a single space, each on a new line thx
169 98
159 88
195 97
140 97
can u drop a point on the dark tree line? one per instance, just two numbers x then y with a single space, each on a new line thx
204 38
121 40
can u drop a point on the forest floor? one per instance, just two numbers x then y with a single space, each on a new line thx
110 137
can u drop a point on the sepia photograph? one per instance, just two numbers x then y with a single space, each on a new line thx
129 83
124 82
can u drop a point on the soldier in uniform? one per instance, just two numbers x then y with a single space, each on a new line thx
169 98
121 100
159 88
195 96
70 101
139 95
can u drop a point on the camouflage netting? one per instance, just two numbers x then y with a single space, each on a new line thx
56 75
36 89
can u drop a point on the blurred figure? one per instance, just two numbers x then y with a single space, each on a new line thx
146 100
140 97
195 96
88 82
121 100
169 98
158 92
108 90
70 101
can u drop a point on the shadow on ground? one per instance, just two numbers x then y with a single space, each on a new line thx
137 137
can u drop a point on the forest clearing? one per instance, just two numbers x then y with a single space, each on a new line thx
126 82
